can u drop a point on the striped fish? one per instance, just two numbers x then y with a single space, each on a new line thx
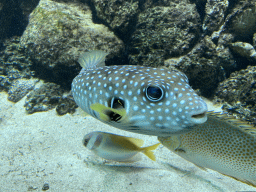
145 100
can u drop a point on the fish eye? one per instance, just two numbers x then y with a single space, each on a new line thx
154 93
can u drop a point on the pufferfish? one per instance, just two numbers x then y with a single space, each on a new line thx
116 147
223 144
145 100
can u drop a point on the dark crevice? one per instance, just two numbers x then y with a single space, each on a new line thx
125 36
62 77
200 6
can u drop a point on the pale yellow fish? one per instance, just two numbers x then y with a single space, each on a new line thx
117 148
223 144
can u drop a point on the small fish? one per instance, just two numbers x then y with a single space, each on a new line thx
139 99
117 148
223 144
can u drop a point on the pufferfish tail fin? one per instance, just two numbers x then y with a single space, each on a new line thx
148 151
92 59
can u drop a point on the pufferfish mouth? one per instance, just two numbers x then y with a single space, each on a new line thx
199 116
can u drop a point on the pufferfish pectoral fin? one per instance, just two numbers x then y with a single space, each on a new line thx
108 113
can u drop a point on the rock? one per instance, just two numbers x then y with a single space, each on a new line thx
242 19
119 15
238 92
14 16
214 15
44 98
244 49
14 64
163 32
58 33
66 105
203 66
20 88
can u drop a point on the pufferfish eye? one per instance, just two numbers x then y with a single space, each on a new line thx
154 93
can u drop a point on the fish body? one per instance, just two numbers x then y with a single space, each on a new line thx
223 144
115 147
153 101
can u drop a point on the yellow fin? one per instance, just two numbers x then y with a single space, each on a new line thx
135 141
104 111
148 151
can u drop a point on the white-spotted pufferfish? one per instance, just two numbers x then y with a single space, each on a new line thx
145 100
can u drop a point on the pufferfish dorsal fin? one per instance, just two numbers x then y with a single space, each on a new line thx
92 59
241 125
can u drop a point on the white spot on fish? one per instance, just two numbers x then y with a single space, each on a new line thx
152 118
135 108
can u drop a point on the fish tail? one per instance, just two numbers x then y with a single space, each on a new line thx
148 151
92 59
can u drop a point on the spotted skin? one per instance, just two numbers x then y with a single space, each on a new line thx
222 144
157 101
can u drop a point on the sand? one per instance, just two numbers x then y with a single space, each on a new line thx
44 148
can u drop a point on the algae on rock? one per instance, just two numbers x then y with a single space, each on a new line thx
163 32
57 33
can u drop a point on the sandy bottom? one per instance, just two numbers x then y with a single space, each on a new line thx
46 148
